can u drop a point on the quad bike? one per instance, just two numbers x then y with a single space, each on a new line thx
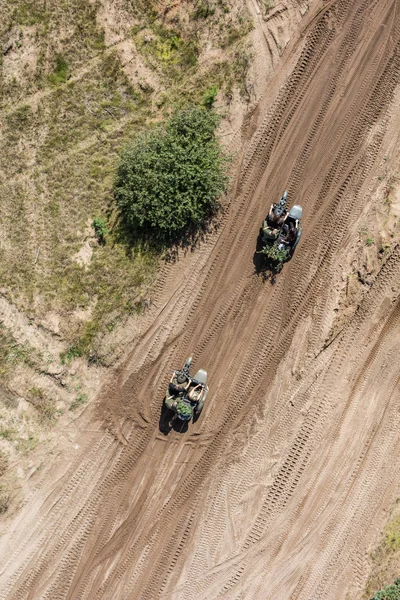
280 233
185 394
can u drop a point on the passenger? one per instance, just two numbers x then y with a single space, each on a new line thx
195 393
290 234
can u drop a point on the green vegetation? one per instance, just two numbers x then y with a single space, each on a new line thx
369 241
12 353
45 407
5 498
79 401
268 5
392 536
204 9
390 592
3 462
276 255
60 74
209 96
100 229
385 562
169 178
63 146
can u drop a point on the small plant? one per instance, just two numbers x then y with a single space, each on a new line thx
3 462
44 406
209 96
369 241
268 5
68 356
203 10
25 445
5 498
100 229
385 249
80 400
60 74
7 433
392 537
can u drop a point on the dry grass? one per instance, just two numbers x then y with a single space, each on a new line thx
385 558
68 108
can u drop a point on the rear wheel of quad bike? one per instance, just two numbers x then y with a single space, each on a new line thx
293 248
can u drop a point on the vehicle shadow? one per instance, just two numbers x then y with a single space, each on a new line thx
168 421
263 266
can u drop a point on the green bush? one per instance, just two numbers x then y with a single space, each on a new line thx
391 592
209 96
100 229
60 74
170 178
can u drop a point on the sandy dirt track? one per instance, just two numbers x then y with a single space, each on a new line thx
274 491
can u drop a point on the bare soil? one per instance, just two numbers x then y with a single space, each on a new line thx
280 488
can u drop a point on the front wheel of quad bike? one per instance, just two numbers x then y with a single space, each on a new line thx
187 364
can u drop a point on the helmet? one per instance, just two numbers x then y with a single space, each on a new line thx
181 378
296 212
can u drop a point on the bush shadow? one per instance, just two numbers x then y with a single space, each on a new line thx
167 248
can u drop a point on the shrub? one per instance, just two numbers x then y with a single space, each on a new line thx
391 592
203 10
100 229
277 255
170 178
209 96
60 74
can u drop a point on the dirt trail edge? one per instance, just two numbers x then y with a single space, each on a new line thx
272 492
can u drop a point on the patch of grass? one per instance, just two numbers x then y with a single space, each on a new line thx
100 228
209 96
268 5
20 119
385 250
68 356
60 73
45 407
11 353
203 9
385 561
7 433
3 462
392 535
30 13
235 31
5 498
79 401
369 241
25 445
71 141
166 49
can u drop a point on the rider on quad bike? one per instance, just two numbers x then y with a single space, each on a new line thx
185 394
281 232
